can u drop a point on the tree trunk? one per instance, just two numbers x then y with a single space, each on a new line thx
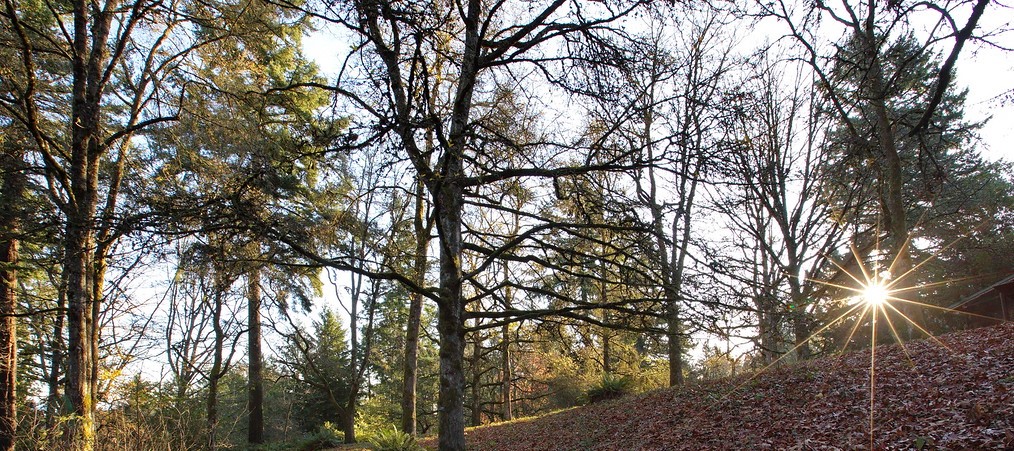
675 345
451 316
91 32
411 368
216 364
80 428
98 284
476 381
57 348
800 317
10 221
452 377
892 181
255 374
507 373
349 418
607 349
764 333
449 204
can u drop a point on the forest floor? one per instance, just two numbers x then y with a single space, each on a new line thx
955 392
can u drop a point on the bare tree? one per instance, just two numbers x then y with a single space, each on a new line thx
490 45
680 84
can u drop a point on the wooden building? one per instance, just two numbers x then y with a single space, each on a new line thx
991 305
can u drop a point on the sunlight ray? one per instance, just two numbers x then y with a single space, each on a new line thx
846 271
859 322
830 284
783 356
936 253
859 260
873 370
928 334
897 336
947 309
935 284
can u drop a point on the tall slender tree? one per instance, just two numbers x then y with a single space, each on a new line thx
13 183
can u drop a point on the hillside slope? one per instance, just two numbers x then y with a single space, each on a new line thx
959 397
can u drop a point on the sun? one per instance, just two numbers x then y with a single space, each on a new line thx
875 294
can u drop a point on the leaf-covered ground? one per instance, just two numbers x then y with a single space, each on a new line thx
959 396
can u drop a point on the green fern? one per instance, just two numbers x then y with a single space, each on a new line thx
610 387
394 440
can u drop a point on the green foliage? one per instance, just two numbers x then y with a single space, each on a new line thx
318 360
393 440
326 436
610 387
387 360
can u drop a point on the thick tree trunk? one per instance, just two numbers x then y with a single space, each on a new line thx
800 317
255 374
349 421
8 303
91 32
13 185
451 317
8 338
411 367
98 285
675 343
80 428
452 377
449 204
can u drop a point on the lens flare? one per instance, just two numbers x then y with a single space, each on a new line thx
875 294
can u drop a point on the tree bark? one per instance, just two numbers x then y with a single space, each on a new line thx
411 367
451 312
10 227
507 374
98 285
80 428
255 373
8 342
57 348
450 324
215 374
449 203
91 32
476 384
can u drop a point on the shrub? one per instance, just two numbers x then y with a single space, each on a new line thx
394 440
610 387
327 436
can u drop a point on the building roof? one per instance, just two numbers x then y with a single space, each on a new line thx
1009 280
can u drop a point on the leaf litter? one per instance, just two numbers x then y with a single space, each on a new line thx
959 396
